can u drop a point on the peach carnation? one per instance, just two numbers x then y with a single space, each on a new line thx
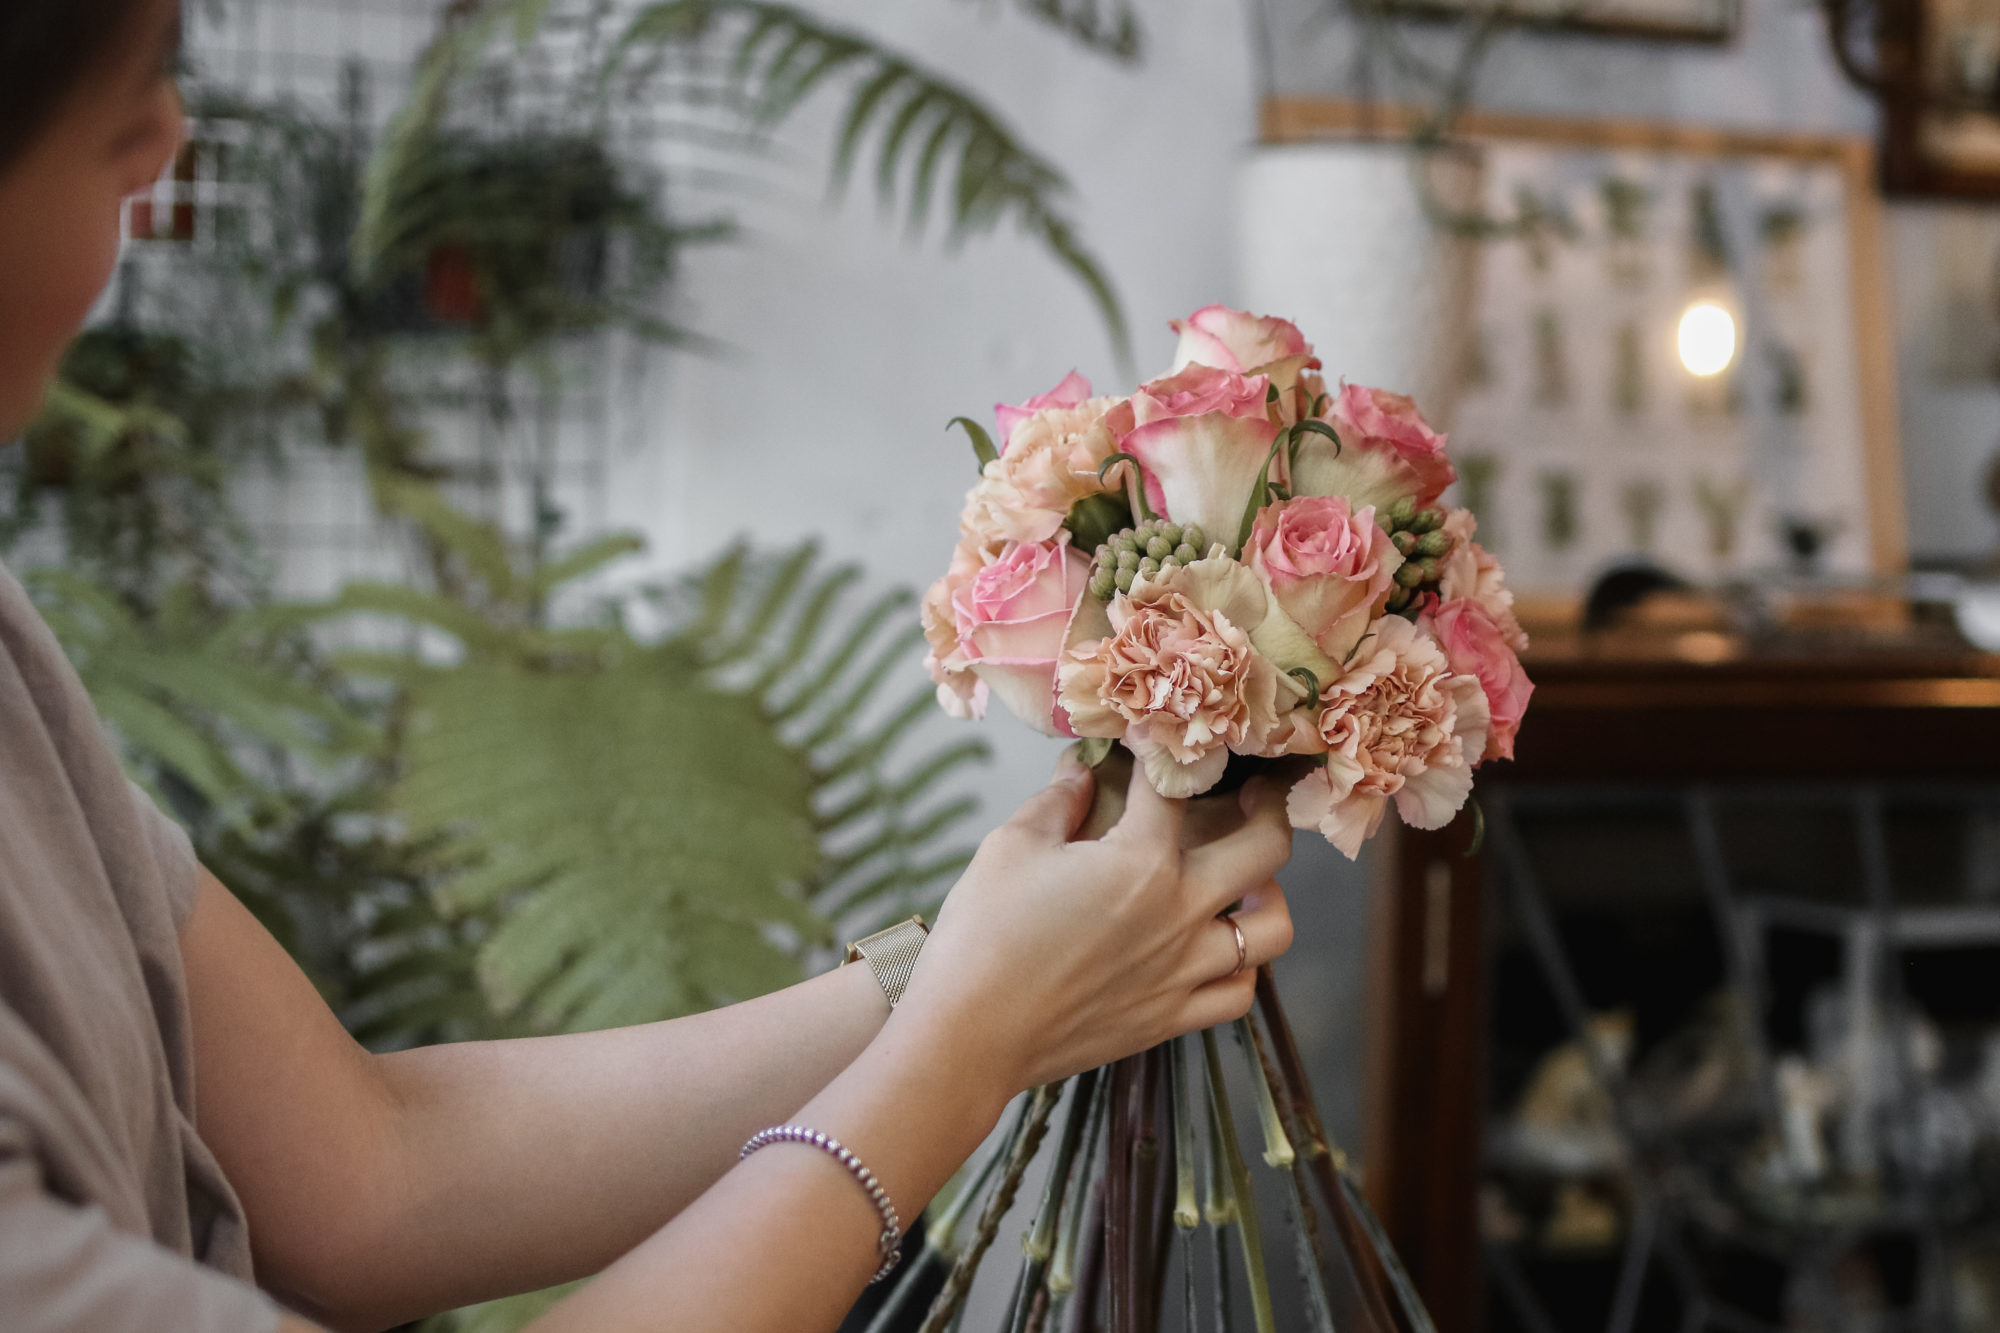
1052 457
1399 725
1177 678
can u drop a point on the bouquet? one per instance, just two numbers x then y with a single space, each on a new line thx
1234 565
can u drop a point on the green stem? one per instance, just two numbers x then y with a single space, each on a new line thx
1062 1269
1277 1144
1249 1234
1187 1213
947 1305
1039 1242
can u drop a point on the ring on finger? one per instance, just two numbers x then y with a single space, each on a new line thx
1242 950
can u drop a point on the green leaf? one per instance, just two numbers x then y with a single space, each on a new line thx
982 443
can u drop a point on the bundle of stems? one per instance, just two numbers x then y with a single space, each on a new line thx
1147 1158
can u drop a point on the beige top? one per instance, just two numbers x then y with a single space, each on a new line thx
113 1214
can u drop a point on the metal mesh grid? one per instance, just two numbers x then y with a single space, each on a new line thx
350 63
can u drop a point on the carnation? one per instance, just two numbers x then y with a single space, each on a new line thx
1399 726
1178 678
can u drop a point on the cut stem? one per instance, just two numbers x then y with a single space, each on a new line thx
1187 1211
1062 1268
944 1309
1039 1241
1277 1144
1249 1233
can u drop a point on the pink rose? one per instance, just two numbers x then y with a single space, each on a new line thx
1470 571
1198 389
1399 725
1329 566
1177 679
1232 340
1477 647
1387 452
1073 390
1010 618
1202 436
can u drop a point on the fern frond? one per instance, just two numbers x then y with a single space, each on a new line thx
783 54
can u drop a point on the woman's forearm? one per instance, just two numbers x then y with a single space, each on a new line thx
526 1163
786 1241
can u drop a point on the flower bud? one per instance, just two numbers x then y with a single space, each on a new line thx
1192 535
1128 559
1172 533
1432 544
1400 598
1403 511
1123 582
1427 520
1159 548
1186 554
1102 584
1149 567
1429 566
1410 575
1404 542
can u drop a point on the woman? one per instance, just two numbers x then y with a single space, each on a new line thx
176 1101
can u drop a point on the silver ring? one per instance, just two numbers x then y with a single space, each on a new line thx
1242 952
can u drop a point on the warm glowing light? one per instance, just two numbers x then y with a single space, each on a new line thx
1708 338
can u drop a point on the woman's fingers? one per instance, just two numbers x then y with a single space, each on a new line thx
1220 1002
1224 870
1266 923
1150 818
1052 814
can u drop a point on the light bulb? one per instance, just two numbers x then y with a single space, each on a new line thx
1707 338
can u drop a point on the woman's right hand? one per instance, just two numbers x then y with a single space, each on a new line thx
1054 956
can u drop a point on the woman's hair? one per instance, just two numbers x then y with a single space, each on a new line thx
47 47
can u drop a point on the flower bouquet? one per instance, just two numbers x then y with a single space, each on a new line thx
1234 569
1232 566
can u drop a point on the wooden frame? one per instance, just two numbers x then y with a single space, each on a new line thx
1301 120
1601 19
1912 117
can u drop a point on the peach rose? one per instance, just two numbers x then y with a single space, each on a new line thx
1233 340
1470 571
1202 437
1399 725
1008 621
1477 647
1329 566
1387 452
1177 678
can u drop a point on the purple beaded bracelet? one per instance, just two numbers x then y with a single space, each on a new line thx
891 1243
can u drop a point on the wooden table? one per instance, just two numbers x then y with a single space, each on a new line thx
1912 706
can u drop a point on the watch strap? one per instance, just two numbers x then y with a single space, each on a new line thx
892 955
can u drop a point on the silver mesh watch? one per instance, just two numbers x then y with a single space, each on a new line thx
891 955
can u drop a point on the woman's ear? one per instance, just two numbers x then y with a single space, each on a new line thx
154 138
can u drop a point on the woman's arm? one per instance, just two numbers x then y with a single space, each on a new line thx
382 1188
787 1241
379 1188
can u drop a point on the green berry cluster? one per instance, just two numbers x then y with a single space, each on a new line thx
1418 534
1145 550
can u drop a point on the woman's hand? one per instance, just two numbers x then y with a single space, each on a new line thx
1057 956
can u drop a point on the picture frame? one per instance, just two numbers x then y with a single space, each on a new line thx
1938 71
1603 471
1712 21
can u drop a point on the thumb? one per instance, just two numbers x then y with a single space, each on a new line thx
1055 812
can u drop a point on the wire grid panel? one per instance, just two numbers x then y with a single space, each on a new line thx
526 455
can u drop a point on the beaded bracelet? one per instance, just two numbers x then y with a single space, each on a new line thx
891 1242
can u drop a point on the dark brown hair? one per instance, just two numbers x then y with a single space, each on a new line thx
47 47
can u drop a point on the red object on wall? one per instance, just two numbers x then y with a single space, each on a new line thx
146 222
451 287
